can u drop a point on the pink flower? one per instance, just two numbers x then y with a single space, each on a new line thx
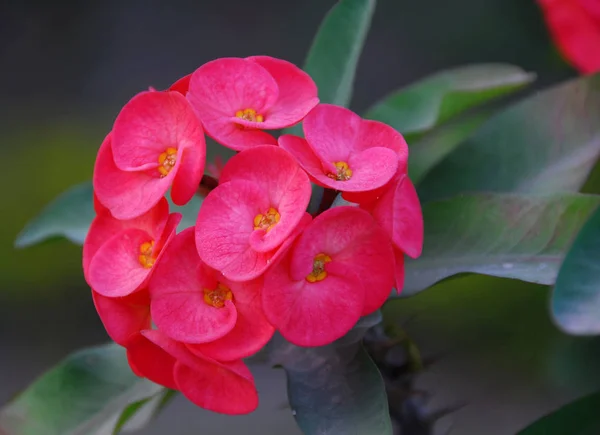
227 388
119 255
339 268
346 153
192 303
251 217
238 98
156 143
124 317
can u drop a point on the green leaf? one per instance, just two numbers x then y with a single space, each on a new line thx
577 418
444 95
137 415
69 216
335 51
546 143
576 295
432 147
515 236
86 394
335 389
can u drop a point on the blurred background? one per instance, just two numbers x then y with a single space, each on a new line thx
67 68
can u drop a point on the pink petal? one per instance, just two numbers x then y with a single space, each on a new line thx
229 134
312 314
351 237
115 270
182 85
104 226
149 124
151 361
297 92
189 173
224 225
398 211
126 194
227 388
252 329
125 317
177 289
332 132
377 134
304 154
281 180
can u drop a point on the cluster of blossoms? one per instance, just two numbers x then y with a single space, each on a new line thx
190 305
575 28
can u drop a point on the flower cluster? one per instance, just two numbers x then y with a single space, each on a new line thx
575 28
190 305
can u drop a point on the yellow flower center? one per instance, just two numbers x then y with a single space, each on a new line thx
343 172
318 273
266 221
249 115
167 161
217 297
145 258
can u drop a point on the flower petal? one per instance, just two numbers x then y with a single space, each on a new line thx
297 92
189 173
151 361
312 314
149 124
115 270
251 332
125 317
399 269
126 194
177 289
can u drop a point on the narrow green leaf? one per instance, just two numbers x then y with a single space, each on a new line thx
546 143
576 295
444 95
335 389
139 414
335 51
69 216
86 394
515 236
577 418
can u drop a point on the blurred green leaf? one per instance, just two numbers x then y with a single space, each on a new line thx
546 143
335 51
577 418
576 295
86 394
71 213
515 236
432 147
69 216
335 389
444 95
137 415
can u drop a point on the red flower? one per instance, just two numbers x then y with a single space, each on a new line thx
575 28
119 255
227 388
246 222
157 142
346 153
192 303
238 98
124 317
340 267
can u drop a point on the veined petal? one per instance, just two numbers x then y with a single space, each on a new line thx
124 317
